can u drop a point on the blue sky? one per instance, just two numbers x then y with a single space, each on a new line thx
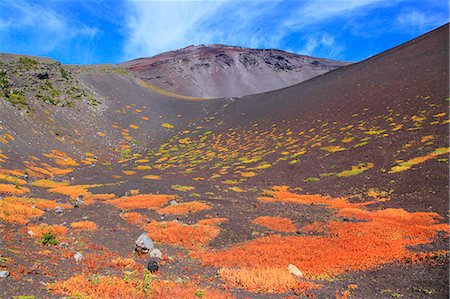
103 31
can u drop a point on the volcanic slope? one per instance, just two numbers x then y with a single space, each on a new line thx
344 176
217 71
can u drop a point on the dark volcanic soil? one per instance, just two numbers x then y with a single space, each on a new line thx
372 133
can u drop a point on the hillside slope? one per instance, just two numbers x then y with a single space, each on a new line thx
218 71
342 179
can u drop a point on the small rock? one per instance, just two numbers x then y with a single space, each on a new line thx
64 244
294 270
85 217
144 244
78 201
58 210
173 202
156 253
5 273
152 266
78 257
179 280
31 233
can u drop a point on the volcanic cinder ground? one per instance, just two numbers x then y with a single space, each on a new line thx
336 187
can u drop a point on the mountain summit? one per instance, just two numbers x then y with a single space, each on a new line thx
216 71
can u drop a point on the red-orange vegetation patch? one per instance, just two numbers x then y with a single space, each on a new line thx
18 211
75 190
84 225
13 189
169 290
376 238
143 201
91 198
136 286
266 280
36 202
277 195
184 208
134 218
189 236
276 223
39 230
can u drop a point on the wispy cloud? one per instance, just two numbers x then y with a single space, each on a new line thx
413 20
155 27
24 24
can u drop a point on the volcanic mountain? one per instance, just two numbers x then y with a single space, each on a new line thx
335 187
218 71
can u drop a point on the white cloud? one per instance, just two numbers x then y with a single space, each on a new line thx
412 21
158 26
39 26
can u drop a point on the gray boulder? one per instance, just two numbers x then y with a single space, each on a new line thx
4 274
156 253
144 244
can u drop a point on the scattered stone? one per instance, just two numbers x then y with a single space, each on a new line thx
78 257
294 270
179 280
156 253
5 273
152 266
85 217
78 201
144 244
173 202
42 76
58 210
64 244
31 233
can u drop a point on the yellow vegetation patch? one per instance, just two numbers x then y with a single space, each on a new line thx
333 148
355 170
410 163
12 179
166 125
75 190
151 177
45 183
182 188
129 172
133 126
143 167
248 174
184 208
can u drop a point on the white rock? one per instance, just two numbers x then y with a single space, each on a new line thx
156 253
31 233
78 257
144 244
294 270
4 274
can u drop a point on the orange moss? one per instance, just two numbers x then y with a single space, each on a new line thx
265 280
13 189
134 218
37 202
91 198
184 208
40 230
188 236
143 201
276 223
383 237
124 263
84 225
